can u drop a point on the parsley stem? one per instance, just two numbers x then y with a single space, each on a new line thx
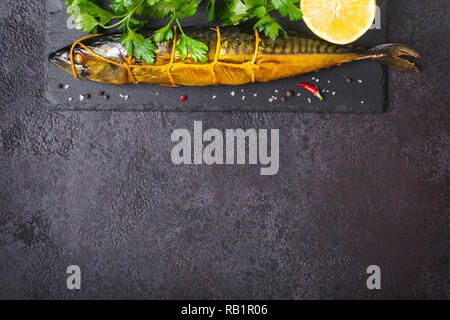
115 24
179 26
133 11
126 17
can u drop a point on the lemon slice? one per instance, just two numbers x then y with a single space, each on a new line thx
339 21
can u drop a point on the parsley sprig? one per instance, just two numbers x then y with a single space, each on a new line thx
132 15
238 11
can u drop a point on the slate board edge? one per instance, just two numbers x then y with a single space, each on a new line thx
150 107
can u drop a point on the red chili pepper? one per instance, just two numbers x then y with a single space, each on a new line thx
311 89
183 98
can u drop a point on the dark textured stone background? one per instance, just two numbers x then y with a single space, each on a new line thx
98 189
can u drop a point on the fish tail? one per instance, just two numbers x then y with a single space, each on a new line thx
395 55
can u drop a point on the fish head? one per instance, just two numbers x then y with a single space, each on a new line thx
98 59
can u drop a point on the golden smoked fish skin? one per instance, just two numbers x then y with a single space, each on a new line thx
240 57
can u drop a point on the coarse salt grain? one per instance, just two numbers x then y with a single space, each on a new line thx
81 97
255 94
243 97
66 86
70 99
360 81
232 93
309 100
214 96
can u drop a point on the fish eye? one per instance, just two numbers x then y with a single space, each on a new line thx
79 58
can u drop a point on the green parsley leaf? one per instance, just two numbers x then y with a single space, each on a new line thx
160 9
260 12
163 34
196 49
287 7
270 27
142 48
118 7
87 14
235 12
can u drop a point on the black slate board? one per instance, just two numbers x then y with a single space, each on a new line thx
365 96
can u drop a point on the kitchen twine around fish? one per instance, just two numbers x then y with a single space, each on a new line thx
128 62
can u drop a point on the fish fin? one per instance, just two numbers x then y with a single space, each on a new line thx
395 55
